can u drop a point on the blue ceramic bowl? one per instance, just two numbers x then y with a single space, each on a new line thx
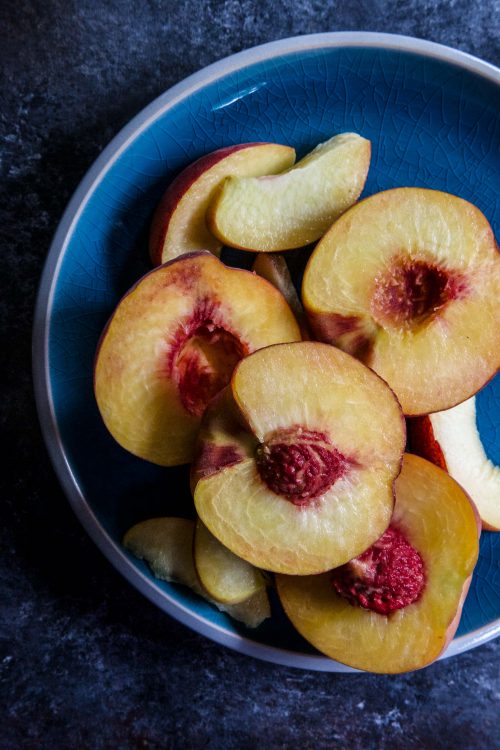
432 116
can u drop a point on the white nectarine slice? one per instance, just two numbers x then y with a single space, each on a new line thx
408 280
296 459
273 267
225 577
179 221
172 344
400 602
166 544
296 207
451 440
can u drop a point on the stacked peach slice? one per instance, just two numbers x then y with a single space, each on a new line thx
297 446
174 339
179 224
179 551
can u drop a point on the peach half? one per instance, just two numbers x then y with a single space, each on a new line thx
396 607
172 344
408 281
178 224
296 207
296 459
451 440
166 544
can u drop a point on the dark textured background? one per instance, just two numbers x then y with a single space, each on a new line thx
85 661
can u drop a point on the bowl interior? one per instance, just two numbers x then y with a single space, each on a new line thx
431 124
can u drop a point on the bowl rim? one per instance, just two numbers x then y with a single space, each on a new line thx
45 298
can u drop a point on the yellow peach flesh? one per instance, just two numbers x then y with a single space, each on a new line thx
137 395
166 544
319 388
271 532
179 223
252 612
296 207
441 523
226 578
443 357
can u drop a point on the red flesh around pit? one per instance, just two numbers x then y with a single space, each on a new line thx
412 291
388 576
300 464
202 356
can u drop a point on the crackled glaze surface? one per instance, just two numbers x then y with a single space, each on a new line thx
431 124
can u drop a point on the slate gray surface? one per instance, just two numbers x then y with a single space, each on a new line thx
85 661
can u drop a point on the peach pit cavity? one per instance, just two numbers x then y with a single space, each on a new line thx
410 292
202 357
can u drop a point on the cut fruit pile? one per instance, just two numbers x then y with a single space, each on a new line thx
297 446
175 550
310 481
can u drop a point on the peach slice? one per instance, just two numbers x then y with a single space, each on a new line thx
179 221
397 606
296 459
273 267
166 544
294 208
408 281
252 612
172 344
451 440
224 576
